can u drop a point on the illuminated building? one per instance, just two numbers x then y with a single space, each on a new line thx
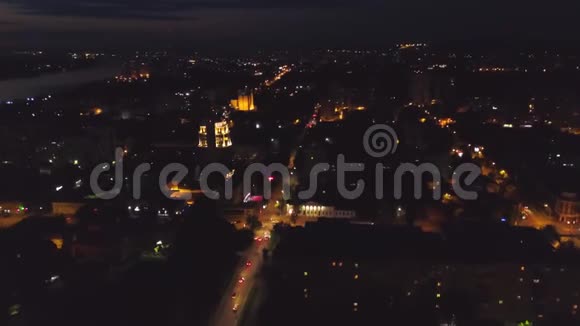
216 135
222 135
312 209
244 102
202 137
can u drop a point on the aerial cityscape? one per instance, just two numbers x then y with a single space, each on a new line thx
182 163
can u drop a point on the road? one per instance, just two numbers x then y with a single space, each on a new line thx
225 314
243 281
537 219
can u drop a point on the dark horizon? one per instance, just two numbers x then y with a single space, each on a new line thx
257 24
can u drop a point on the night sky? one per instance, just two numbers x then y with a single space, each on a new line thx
247 24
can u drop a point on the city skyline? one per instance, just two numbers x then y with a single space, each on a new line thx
259 163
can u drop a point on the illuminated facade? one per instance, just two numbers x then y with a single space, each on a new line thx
244 102
217 135
202 137
312 209
222 135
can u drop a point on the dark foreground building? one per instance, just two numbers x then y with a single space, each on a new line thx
342 274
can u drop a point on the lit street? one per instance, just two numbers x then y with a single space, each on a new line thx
539 220
235 299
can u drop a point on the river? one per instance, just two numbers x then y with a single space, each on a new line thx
18 88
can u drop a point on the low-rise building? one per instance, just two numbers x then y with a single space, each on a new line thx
568 208
314 209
